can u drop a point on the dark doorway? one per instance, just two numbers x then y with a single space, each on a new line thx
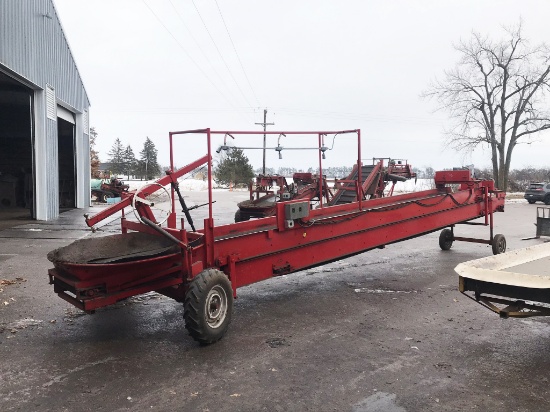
16 149
67 170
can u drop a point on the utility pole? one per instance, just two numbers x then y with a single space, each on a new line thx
264 124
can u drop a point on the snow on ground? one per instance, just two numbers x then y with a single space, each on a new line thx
409 186
194 185
190 185
136 184
426 184
515 197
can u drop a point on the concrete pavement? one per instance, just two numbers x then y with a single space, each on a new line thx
386 330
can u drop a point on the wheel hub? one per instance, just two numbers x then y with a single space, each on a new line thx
215 307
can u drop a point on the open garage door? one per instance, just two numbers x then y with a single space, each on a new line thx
16 150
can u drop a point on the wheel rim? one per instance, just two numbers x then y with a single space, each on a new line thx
215 307
501 245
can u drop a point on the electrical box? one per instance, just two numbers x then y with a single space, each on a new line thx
296 210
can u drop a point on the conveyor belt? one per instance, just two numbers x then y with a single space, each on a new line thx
345 195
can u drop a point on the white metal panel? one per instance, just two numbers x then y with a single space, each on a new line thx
66 115
502 268
82 148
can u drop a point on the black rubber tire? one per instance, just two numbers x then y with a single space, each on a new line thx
547 200
208 306
240 216
446 239
105 196
531 201
499 244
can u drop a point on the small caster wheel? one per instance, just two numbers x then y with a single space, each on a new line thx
446 239
498 244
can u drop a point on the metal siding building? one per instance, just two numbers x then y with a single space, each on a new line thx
38 76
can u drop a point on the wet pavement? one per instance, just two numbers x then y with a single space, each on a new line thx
386 330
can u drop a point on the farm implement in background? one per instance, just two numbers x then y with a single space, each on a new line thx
204 267
103 189
267 190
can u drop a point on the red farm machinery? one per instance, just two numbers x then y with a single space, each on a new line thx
103 189
267 190
204 267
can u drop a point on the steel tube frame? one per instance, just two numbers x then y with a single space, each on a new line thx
256 250
376 226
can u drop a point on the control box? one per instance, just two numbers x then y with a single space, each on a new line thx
296 210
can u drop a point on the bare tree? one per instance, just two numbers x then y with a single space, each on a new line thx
496 96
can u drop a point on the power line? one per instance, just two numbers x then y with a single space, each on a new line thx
237 54
178 110
221 56
355 116
199 46
288 111
187 54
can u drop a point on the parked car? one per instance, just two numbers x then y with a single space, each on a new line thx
538 192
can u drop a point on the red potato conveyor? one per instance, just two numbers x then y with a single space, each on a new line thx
203 267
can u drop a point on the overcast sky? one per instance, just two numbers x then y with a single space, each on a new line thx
154 66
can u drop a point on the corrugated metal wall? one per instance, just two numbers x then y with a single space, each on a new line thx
33 47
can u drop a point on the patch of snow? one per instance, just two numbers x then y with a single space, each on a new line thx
411 186
192 185
516 201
